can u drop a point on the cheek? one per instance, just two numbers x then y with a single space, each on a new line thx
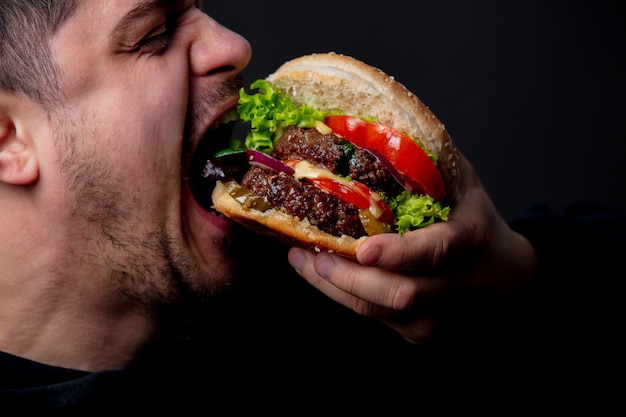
151 120
141 137
133 116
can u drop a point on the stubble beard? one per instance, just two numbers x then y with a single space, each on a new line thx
132 255
137 257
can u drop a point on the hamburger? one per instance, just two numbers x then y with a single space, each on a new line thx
336 151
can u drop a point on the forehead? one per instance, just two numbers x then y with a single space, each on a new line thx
110 12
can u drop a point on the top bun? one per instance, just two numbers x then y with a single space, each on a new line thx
329 81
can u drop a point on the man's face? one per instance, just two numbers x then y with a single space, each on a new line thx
142 81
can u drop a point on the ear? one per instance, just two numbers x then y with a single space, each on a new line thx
18 164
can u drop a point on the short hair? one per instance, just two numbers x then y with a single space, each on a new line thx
26 62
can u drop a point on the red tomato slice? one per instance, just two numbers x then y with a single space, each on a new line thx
356 193
416 168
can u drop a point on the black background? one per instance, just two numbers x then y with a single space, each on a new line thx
532 92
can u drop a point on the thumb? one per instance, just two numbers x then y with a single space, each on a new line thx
419 250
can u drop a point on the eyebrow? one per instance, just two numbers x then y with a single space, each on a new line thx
142 9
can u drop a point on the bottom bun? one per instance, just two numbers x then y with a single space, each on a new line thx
282 227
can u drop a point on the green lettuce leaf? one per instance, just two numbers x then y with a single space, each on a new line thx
269 111
415 211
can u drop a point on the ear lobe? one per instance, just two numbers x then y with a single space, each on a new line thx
18 164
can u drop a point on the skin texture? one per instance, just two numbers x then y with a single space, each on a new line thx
99 232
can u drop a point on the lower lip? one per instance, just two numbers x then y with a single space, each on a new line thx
222 223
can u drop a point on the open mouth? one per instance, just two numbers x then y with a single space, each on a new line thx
205 169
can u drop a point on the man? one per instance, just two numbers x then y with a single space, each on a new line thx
92 149
104 250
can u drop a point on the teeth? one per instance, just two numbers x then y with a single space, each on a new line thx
214 212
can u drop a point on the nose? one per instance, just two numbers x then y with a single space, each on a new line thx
218 49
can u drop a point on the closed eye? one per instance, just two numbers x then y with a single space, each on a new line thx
158 40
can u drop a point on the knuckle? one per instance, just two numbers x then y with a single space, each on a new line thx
403 295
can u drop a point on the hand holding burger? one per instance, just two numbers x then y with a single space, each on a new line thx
337 151
450 271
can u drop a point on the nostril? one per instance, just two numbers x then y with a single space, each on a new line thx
226 68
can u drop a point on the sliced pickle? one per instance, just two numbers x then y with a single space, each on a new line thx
371 224
245 196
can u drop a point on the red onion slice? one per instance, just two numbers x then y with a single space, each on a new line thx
392 170
266 161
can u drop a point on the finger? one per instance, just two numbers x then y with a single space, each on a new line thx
368 290
303 262
415 320
440 243
419 250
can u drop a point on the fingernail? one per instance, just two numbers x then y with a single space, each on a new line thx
324 265
372 256
296 259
